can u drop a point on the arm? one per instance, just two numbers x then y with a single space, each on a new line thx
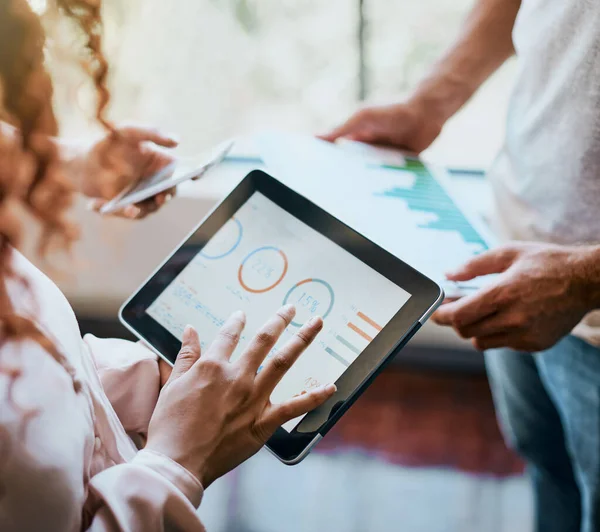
485 43
588 261
541 293
46 438
130 377
98 169
212 415
102 169
151 493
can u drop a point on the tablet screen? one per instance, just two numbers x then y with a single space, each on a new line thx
264 257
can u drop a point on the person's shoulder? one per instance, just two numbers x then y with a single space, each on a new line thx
117 353
42 437
28 280
30 369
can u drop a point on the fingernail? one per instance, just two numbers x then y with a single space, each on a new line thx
168 197
331 388
91 205
239 315
289 308
187 332
132 211
314 320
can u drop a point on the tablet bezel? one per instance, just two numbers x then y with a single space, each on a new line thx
291 447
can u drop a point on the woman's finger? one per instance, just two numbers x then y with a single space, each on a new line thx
188 354
131 212
162 198
164 371
266 338
149 206
96 204
148 134
139 210
279 414
157 161
278 365
228 336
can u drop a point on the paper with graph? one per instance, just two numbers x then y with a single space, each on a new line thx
405 207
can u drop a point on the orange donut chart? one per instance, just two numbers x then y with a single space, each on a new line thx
263 290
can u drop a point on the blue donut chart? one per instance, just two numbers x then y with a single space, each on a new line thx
306 281
232 249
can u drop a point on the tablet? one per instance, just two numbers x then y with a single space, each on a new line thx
263 246
168 177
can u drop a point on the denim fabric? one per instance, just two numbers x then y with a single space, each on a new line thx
548 406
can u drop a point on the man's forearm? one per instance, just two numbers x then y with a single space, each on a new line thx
587 270
484 45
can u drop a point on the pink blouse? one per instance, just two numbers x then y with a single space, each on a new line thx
66 461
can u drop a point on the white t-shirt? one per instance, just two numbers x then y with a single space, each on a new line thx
546 179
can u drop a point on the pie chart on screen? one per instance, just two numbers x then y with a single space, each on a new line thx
225 241
263 269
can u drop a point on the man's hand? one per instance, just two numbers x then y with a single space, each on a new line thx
542 292
484 43
407 126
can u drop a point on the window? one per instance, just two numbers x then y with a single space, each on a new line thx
209 69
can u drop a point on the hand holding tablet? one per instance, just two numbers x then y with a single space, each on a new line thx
265 246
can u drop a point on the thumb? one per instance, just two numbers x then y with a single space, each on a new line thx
188 354
138 134
335 134
354 128
494 261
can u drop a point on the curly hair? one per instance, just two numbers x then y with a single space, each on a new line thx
31 180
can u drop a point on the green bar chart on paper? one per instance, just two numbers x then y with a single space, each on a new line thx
428 196
406 207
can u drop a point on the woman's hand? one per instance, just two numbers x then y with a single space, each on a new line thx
164 371
120 159
214 414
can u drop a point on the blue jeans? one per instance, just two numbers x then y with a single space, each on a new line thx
548 405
